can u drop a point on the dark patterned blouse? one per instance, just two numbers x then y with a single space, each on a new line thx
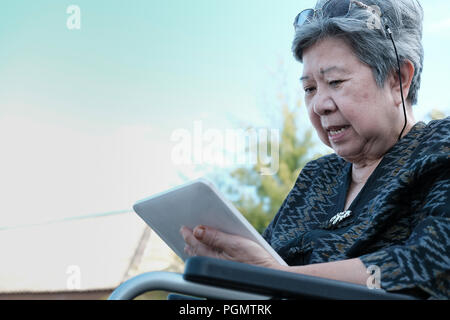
399 221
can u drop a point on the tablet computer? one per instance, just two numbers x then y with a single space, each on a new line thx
195 203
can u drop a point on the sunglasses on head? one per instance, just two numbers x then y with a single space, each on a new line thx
330 9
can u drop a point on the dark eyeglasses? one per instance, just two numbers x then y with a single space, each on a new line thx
330 9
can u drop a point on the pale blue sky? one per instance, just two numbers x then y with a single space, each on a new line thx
86 115
137 60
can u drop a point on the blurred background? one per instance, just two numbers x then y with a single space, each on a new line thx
91 94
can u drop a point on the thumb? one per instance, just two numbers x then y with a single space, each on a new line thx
211 237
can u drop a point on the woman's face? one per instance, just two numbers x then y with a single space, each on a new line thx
350 113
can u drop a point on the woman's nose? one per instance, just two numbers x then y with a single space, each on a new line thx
323 104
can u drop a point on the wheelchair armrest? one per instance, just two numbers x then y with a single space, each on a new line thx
174 282
275 283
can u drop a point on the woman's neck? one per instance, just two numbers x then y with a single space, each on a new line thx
361 171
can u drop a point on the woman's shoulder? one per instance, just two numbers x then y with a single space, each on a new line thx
427 149
436 131
433 140
439 123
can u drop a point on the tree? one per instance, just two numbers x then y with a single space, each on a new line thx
436 114
258 197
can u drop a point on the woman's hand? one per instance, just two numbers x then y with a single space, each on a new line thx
207 241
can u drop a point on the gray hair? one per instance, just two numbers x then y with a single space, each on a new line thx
372 45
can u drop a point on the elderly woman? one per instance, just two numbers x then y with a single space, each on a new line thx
382 200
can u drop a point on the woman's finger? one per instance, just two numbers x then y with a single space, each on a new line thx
195 247
215 238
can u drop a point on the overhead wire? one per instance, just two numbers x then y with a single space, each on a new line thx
67 219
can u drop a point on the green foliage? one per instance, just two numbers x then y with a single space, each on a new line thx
258 197
437 114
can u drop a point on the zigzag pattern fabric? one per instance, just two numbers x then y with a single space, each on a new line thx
399 222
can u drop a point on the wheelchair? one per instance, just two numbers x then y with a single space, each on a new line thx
215 279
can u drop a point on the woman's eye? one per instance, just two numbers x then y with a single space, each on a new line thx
309 90
335 83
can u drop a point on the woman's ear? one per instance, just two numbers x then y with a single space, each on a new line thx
407 74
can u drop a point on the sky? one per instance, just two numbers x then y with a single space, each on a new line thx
87 115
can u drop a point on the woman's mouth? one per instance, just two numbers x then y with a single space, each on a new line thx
337 133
